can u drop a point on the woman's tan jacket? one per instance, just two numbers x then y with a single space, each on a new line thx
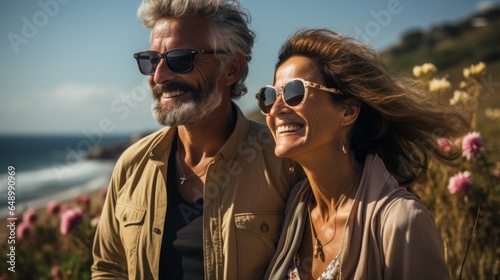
390 234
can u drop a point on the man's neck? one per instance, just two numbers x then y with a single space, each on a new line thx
207 137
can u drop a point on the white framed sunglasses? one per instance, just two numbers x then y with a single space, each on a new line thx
294 93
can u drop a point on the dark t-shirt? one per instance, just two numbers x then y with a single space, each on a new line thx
181 254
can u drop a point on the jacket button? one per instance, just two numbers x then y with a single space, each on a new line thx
125 217
156 230
151 155
264 228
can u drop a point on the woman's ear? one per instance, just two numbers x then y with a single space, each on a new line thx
352 107
234 69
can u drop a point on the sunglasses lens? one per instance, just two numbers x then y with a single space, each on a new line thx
267 97
147 62
294 92
180 61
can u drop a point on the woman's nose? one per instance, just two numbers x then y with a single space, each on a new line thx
279 106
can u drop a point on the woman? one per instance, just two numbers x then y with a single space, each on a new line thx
363 137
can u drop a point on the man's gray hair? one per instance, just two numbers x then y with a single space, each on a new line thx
228 24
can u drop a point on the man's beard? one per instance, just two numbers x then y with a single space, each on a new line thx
186 112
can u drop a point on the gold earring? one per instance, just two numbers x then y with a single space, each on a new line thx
291 168
344 149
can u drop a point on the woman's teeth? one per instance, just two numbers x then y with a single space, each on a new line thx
288 128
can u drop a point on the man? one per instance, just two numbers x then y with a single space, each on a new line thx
202 198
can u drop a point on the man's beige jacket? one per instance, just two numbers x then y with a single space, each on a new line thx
245 194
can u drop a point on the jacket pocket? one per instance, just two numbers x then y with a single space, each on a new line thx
131 221
257 235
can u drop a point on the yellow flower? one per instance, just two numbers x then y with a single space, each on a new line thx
492 113
426 69
439 85
466 73
474 70
459 96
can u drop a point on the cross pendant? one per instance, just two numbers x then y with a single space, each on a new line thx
182 180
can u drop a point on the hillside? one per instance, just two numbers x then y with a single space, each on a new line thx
450 47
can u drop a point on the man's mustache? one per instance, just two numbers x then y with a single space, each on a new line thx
159 89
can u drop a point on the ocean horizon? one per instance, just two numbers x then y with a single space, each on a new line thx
52 167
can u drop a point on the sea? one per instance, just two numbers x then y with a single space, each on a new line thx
46 168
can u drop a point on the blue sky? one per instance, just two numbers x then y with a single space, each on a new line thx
67 65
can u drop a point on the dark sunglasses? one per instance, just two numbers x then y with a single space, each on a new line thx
178 60
294 93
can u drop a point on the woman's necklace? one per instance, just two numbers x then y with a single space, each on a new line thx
318 247
184 178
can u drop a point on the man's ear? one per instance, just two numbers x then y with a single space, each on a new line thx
234 69
352 107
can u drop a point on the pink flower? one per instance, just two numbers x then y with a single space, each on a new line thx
56 272
30 216
462 182
23 230
69 219
53 207
472 145
445 145
83 200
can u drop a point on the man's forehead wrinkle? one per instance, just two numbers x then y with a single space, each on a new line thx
170 31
